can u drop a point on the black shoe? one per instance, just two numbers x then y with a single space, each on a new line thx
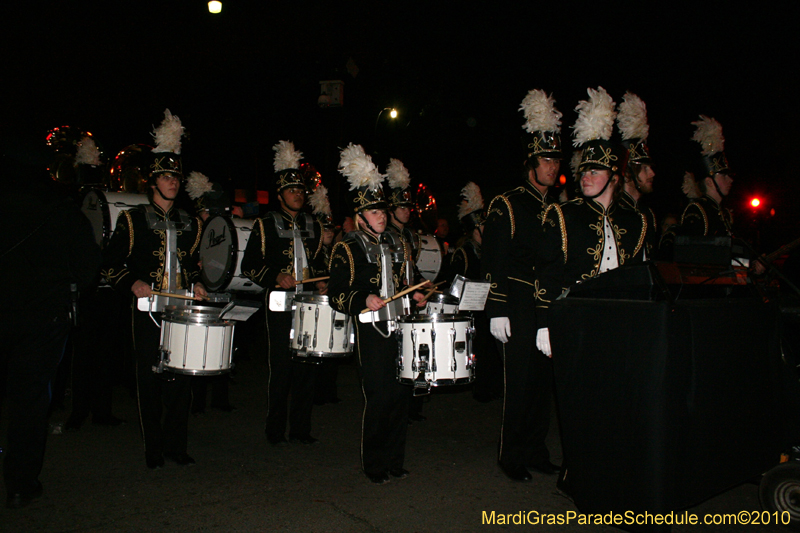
154 460
516 473
399 473
379 479
307 439
416 417
181 459
73 423
108 420
545 467
17 500
278 443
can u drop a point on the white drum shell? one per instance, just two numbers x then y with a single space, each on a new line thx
221 251
429 257
435 350
196 342
318 330
441 304
103 208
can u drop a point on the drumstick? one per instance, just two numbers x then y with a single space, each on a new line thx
433 290
323 278
399 294
179 296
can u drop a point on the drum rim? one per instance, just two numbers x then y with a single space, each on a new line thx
312 298
430 319
234 251
442 298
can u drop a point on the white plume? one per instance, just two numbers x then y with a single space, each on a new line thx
474 201
632 117
197 185
319 201
540 112
286 156
168 135
358 168
87 154
595 117
397 174
709 135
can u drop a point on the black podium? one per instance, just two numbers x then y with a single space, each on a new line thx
664 404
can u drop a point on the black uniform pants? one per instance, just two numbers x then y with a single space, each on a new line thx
386 401
287 377
31 359
528 376
167 395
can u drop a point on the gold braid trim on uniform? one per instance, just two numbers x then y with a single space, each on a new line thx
130 233
349 260
641 237
522 281
466 259
538 292
199 234
321 232
503 199
702 214
406 253
256 277
263 238
562 227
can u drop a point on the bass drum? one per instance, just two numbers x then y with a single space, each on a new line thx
429 257
103 208
222 247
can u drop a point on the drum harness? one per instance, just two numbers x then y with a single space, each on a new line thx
384 254
300 261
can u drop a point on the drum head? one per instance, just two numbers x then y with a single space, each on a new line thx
218 253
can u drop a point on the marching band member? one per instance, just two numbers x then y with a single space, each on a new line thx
705 216
637 170
466 261
366 267
157 244
283 250
590 234
401 203
511 237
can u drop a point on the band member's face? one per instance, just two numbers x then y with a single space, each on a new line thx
593 181
168 184
402 214
547 171
645 178
376 218
327 236
724 182
293 198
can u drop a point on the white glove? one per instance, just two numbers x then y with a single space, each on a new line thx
543 341
500 328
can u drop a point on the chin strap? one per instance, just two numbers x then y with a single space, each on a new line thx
164 197
714 180
601 191
362 217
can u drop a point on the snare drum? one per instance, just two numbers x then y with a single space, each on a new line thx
221 250
444 304
435 350
318 330
429 257
103 208
194 340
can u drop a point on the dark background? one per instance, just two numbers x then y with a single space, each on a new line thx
457 72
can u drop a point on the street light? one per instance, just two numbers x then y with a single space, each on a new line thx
392 113
214 6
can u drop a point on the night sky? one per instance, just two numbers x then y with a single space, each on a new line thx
457 72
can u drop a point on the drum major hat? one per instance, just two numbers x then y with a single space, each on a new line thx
592 132
399 182
542 126
470 212
166 154
632 124
709 135
287 166
366 191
